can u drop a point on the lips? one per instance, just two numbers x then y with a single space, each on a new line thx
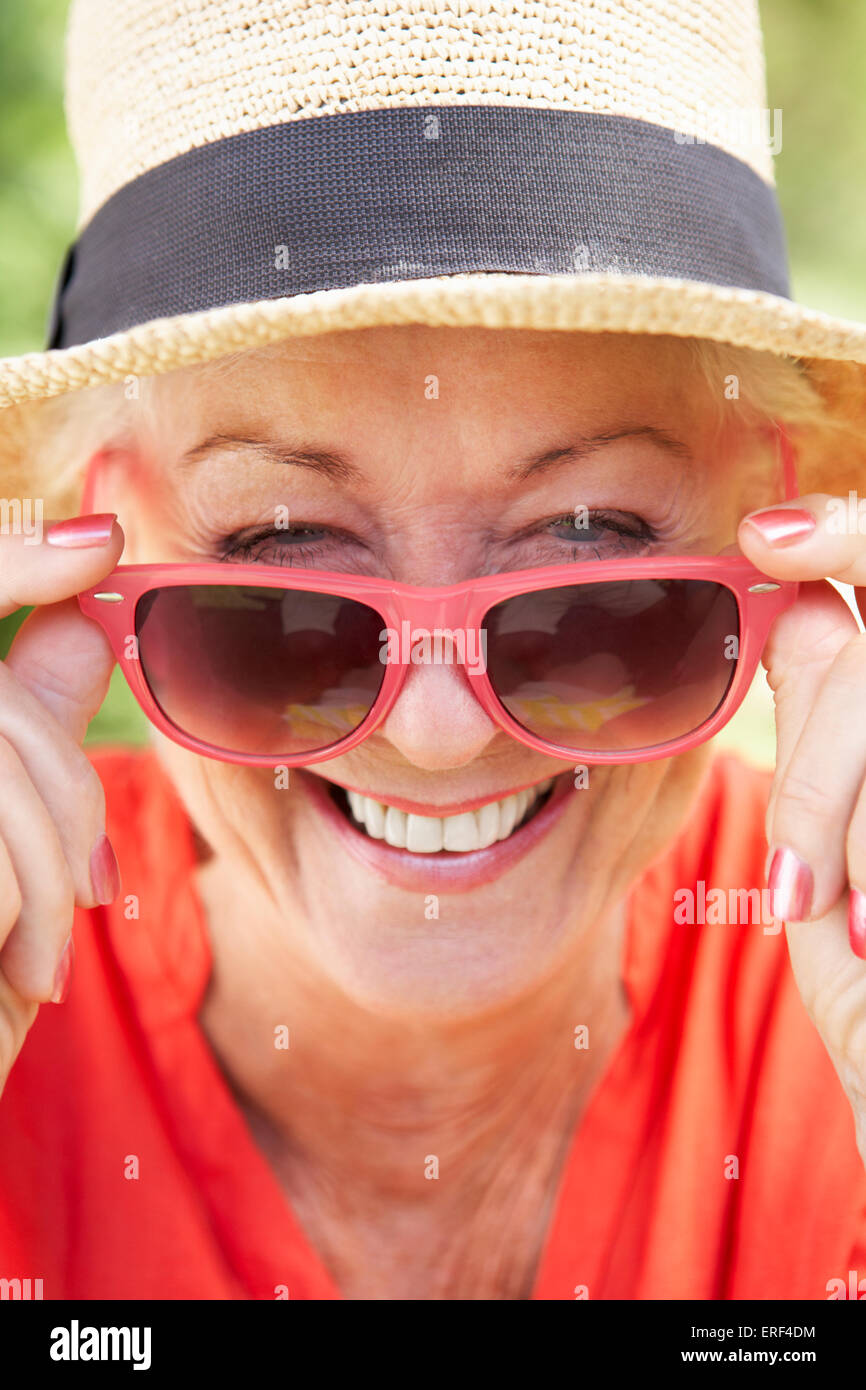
447 871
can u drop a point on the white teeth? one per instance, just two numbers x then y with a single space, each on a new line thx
372 814
424 834
462 833
507 816
488 824
395 827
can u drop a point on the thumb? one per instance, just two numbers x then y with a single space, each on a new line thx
65 660
800 650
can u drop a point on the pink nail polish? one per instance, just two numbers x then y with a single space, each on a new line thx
104 873
63 972
782 525
857 922
791 883
81 531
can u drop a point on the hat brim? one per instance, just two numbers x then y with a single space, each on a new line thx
586 303
834 348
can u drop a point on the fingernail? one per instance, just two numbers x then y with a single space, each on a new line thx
63 972
782 525
81 531
790 881
104 873
857 922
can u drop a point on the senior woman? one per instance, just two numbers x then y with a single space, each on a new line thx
419 955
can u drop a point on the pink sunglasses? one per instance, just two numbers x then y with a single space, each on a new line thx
601 661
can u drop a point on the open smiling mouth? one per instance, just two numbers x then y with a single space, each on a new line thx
460 834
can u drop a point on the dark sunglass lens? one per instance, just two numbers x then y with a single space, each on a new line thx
271 672
614 667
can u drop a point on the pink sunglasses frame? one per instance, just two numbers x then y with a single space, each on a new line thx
760 600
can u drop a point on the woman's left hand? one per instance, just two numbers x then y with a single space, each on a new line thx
816 818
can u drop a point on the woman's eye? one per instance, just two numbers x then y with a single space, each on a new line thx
586 533
276 545
595 529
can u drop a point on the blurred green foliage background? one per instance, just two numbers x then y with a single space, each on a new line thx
815 69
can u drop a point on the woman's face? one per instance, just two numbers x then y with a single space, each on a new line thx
431 456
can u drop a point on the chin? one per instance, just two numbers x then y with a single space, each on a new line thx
450 931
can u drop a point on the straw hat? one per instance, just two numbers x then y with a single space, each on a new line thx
257 169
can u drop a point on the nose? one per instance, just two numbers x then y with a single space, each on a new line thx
437 723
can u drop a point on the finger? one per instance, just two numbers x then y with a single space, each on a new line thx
855 849
64 661
16 1013
34 945
64 780
10 895
45 567
801 648
818 792
16 1017
812 537
832 983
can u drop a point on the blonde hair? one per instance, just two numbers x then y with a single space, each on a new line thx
47 449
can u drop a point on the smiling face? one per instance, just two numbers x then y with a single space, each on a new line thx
454 873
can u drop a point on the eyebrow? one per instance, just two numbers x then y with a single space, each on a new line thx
334 466
338 469
582 448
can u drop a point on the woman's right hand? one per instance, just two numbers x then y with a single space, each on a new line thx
53 850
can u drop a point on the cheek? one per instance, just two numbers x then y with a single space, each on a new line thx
245 813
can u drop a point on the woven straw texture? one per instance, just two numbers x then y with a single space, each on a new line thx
147 81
